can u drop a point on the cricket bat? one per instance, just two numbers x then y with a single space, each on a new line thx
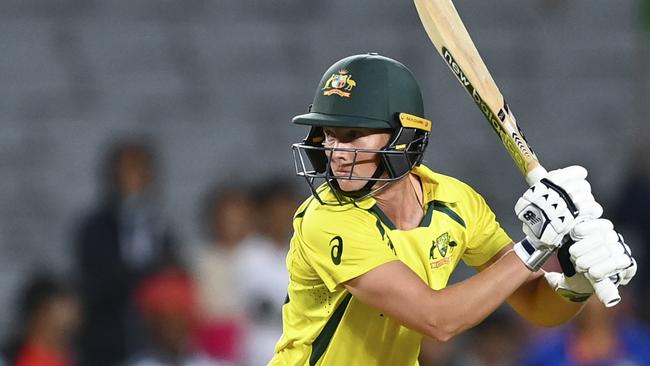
450 37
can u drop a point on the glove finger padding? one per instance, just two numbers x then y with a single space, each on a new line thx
586 236
597 257
599 252
588 207
617 261
584 228
585 245
628 273
604 270
577 189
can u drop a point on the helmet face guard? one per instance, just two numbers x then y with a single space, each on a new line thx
403 153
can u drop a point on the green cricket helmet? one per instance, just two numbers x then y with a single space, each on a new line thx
364 91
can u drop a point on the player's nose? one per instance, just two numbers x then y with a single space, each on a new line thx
342 152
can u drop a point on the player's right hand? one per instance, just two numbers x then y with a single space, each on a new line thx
548 210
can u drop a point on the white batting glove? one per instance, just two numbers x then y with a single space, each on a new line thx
549 208
575 288
598 253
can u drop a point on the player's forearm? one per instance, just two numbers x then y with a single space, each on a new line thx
537 302
463 305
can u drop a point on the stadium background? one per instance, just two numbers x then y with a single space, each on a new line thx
212 85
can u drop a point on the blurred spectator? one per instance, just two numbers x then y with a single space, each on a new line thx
49 318
118 243
167 303
261 269
228 219
597 337
435 353
494 342
631 216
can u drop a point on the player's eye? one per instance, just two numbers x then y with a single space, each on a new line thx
342 135
329 136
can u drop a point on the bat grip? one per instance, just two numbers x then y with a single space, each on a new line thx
605 289
535 175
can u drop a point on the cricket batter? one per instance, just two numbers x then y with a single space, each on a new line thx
374 247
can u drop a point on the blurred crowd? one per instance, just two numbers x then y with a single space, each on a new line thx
139 296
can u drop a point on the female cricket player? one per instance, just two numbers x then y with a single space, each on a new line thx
374 246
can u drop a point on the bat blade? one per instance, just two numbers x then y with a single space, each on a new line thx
452 40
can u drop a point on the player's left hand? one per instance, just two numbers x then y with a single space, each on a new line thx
597 253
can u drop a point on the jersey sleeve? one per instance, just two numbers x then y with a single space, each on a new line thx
485 236
340 246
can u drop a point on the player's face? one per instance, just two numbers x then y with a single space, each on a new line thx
343 163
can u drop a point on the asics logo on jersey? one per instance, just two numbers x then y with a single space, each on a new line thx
336 250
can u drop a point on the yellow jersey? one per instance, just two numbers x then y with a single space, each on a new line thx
322 323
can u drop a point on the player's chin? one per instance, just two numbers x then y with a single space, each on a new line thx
349 185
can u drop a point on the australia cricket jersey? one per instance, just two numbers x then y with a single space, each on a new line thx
323 324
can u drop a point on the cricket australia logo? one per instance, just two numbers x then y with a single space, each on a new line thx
340 84
445 246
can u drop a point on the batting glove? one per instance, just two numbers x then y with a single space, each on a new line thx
596 252
575 288
549 208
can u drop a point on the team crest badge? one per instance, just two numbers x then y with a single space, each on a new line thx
444 245
340 84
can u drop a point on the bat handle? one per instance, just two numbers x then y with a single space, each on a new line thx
605 289
535 175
